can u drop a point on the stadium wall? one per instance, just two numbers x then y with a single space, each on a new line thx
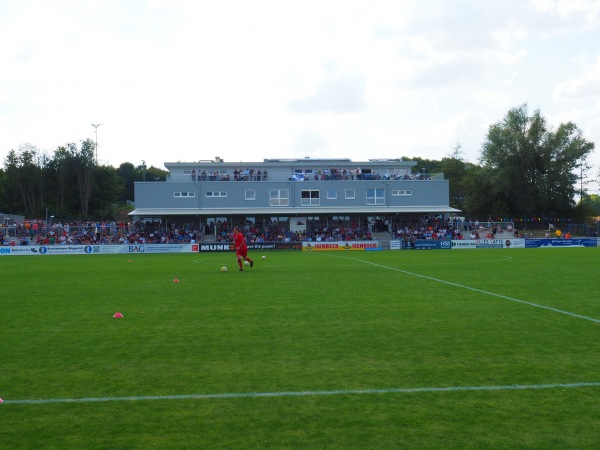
419 244
428 244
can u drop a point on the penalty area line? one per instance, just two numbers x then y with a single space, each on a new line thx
481 291
417 390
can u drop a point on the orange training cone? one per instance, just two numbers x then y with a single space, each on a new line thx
118 316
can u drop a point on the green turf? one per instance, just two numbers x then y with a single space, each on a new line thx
302 322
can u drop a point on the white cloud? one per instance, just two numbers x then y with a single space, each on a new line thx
585 85
183 80
309 142
341 95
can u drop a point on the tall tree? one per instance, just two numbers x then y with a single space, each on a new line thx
108 188
62 176
126 171
3 197
24 179
156 174
455 171
479 197
428 166
130 174
531 167
594 202
83 166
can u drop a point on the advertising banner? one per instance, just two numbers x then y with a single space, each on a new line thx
340 245
540 243
24 250
97 249
159 248
444 244
487 243
395 245
256 246
514 243
427 244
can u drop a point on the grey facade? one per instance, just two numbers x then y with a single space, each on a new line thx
297 192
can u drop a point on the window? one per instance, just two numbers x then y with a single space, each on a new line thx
331 194
250 194
310 198
184 194
350 194
279 197
375 197
216 194
398 192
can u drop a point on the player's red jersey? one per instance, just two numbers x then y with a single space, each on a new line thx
240 243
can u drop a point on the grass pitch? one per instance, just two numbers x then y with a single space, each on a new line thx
392 349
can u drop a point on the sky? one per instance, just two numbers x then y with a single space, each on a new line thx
185 81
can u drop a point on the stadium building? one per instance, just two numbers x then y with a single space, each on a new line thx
293 194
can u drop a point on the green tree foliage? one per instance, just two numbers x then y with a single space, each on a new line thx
24 180
457 172
61 195
69 183
126 171
531 169
83 166
107 188
478 192
155 174
525 168
3 197
427 166
594 202
131 174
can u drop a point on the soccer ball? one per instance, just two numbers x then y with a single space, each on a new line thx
223 269
264 257
246 263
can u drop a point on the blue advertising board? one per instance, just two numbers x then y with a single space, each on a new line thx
538 243
427 244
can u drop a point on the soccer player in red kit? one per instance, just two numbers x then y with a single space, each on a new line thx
241 249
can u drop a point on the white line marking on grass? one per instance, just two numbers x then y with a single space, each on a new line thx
481 291
512 387
459 263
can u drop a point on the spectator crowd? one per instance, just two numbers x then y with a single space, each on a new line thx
274 233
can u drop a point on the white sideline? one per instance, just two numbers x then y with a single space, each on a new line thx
493 294
512 387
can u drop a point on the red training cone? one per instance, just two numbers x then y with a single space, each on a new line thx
176 280
118 316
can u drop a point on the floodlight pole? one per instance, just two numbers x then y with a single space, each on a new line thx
96 127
